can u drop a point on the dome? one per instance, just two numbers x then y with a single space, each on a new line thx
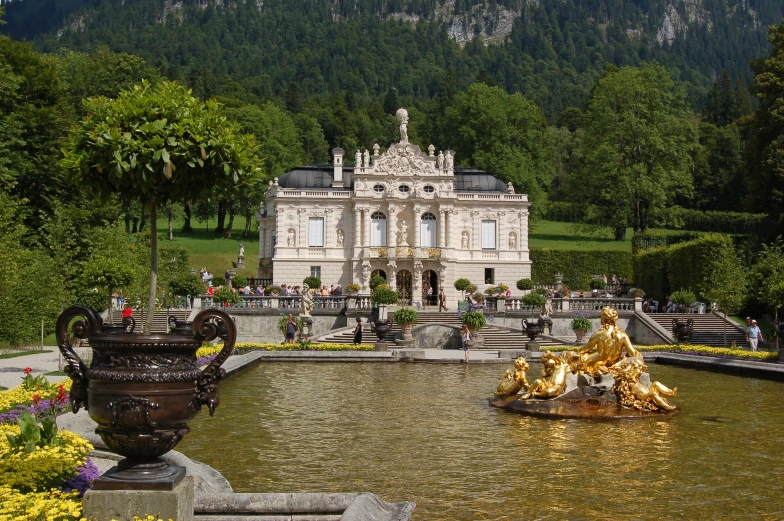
477 181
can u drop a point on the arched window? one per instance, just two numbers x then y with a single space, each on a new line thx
378 230
428 230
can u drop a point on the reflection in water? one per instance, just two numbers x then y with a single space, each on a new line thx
425 433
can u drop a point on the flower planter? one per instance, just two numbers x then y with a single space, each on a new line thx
532 329
406 330
142 390
682 329
580 334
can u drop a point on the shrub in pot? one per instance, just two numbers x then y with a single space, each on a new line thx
352 289
525 284
376 281
580 325
534 300
239 281
312 282
406 318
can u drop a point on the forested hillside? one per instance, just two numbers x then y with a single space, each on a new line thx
550 51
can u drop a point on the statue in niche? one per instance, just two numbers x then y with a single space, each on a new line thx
402 234
440 160
358 159
367 158
291 238
513 241
402 117
340 238
464 240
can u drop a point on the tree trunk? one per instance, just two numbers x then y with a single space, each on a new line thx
246 231
231 224
127 224
135 225
620 234
171 223
220 228
186 227
153 269
111 321
143 221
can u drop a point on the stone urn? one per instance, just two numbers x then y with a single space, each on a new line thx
682 329
532 329
580 334
382 328
142 390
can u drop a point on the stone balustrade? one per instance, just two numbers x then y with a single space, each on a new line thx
292 303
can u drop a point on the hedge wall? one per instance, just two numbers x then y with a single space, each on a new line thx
647 241
684 265
578 266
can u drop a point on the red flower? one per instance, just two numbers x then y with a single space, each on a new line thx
61 396
36 399
28 370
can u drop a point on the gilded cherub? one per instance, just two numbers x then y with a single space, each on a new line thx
553 380
631 393
513 381
606 346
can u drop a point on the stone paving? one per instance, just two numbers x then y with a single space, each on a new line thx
41 362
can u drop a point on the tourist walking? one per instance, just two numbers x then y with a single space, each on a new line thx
465 337
291 329
358 332
754 335
442 300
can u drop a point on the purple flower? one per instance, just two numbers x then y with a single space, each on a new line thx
204 360
83 479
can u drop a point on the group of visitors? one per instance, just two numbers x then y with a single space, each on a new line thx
206 277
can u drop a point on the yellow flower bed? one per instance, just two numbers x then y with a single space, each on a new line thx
17 395
763 356
51 505
208 351
295 347
46 467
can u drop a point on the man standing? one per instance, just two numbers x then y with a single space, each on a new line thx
291 329
442 300
753 335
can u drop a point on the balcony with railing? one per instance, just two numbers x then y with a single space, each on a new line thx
404 252
379 252
292 303
431 253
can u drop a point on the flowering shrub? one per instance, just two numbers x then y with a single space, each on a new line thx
45 467
580 321
20 396
720 352
246 348
474 316
50 505
83 479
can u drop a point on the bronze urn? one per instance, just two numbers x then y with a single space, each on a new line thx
142 390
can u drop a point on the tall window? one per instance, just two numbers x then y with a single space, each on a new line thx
428 230
316 232
488 235
315 271
378 230
489 275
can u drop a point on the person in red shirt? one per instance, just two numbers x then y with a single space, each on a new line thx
127 312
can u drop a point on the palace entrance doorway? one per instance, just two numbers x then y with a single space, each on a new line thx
430 288
403 289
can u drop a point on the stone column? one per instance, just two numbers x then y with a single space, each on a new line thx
366 223
475 225
303 228
328 231
417 227
392 228
523 239
442 229
357 226
450 225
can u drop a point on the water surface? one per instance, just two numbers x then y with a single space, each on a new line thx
425 433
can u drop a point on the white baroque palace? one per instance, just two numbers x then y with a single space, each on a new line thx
409 216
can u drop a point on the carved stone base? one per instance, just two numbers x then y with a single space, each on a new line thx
151 475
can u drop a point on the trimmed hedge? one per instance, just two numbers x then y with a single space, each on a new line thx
647 241
578 267
684 265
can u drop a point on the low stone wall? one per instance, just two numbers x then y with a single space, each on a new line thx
430 335
562 325
253 326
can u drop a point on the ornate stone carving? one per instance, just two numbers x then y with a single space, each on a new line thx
339 239
291 238
404 160
431 150
512 241
464 240
367 158
402 117
402 234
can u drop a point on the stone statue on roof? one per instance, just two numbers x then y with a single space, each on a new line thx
402 117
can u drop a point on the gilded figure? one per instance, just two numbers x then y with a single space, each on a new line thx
632 393
606 347
553 380
512 381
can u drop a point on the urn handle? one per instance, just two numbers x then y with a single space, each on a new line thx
209 325
89 322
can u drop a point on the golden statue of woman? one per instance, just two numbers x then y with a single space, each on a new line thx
606 346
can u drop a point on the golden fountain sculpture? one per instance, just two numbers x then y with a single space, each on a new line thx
609 354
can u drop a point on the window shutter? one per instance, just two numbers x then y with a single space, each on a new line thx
316 232
488 235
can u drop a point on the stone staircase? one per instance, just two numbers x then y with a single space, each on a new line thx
159 320
495 338
708 328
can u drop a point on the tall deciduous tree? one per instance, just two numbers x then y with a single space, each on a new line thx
639 137
766 165
160 144
726 283
505 134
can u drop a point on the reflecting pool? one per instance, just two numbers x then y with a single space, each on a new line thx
425 433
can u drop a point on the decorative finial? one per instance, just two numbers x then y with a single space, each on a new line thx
431 150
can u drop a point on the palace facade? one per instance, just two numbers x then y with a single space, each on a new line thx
409 216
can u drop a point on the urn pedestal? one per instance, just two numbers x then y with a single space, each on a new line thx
142 390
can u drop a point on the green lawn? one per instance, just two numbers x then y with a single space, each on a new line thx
23 353
210 250
569 236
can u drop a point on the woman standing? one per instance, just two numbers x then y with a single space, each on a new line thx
465 336
358 332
